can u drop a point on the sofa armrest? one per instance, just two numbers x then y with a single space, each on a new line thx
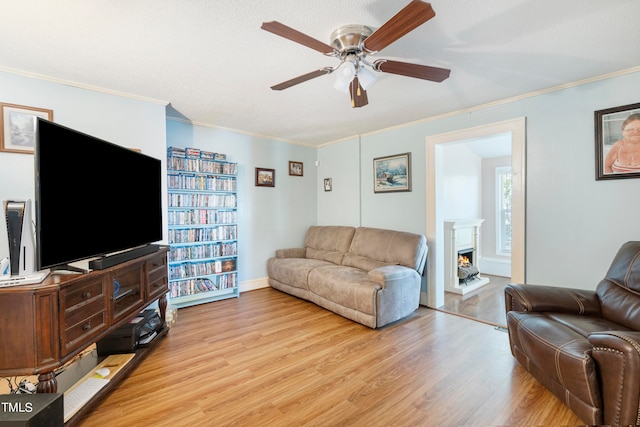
390 274
291 253
617 355
535 298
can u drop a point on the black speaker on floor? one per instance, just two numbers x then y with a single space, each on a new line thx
32 410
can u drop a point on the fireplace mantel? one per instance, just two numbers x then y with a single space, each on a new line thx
461 235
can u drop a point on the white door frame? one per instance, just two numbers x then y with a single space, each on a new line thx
434 296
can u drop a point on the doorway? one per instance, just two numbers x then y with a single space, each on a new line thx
434 296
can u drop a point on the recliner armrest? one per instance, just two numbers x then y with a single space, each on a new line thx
617 355
535 298
390 274
291 253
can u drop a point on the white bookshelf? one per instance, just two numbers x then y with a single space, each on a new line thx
203 226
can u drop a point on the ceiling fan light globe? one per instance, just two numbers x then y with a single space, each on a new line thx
366 78
345 74
347 71
342 86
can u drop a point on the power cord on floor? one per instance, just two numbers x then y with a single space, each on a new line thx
23 387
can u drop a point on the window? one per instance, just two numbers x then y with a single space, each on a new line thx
503 210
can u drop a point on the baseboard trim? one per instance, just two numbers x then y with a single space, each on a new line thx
251 285
495 266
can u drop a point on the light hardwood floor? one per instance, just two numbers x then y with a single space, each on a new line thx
485 304
270 359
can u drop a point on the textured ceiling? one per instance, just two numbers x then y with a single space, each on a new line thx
211 61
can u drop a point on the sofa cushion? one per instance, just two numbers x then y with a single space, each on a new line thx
350 287
328 242
293 271
373 247
584 325
363 263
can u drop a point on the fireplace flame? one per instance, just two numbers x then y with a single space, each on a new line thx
463 261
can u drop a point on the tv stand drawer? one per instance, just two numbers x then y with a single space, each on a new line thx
158 276
83 309
56 319
91 290
82 331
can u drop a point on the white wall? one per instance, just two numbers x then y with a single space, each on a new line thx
567 210
399 211
341 205
270 218
123 121
461 183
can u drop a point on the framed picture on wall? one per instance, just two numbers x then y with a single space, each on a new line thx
328 186
265 177
617 132
392 173
18 124
295 168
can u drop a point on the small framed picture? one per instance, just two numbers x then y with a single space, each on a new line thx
392 173
617 133
295 168
18 124
327 184
265 177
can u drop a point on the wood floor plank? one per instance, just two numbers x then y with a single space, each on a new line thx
485 304
270 359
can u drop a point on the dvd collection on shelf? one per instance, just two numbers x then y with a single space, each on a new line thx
203 229
202 216
201 182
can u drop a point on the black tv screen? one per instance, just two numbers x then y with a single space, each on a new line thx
92 197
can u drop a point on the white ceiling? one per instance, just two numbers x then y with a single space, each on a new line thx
211 61
496 145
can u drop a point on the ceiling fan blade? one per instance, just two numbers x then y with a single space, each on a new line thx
358 94
424 72
301 79
410 17
282 30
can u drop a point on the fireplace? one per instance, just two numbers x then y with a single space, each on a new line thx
461 256
465 256
467 270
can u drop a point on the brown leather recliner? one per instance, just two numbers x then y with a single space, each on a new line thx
584 345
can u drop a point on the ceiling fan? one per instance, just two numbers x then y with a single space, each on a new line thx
351 44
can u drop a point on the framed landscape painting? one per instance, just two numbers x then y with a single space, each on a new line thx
392 173
265 177
18 124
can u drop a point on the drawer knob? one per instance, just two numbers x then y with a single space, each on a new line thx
86 295
87 326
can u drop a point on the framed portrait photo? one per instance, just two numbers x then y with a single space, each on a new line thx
295 168
617 132
265 177
392 173
18 124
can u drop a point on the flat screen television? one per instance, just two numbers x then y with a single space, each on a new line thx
92 198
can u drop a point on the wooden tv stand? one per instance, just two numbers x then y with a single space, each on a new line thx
45 325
